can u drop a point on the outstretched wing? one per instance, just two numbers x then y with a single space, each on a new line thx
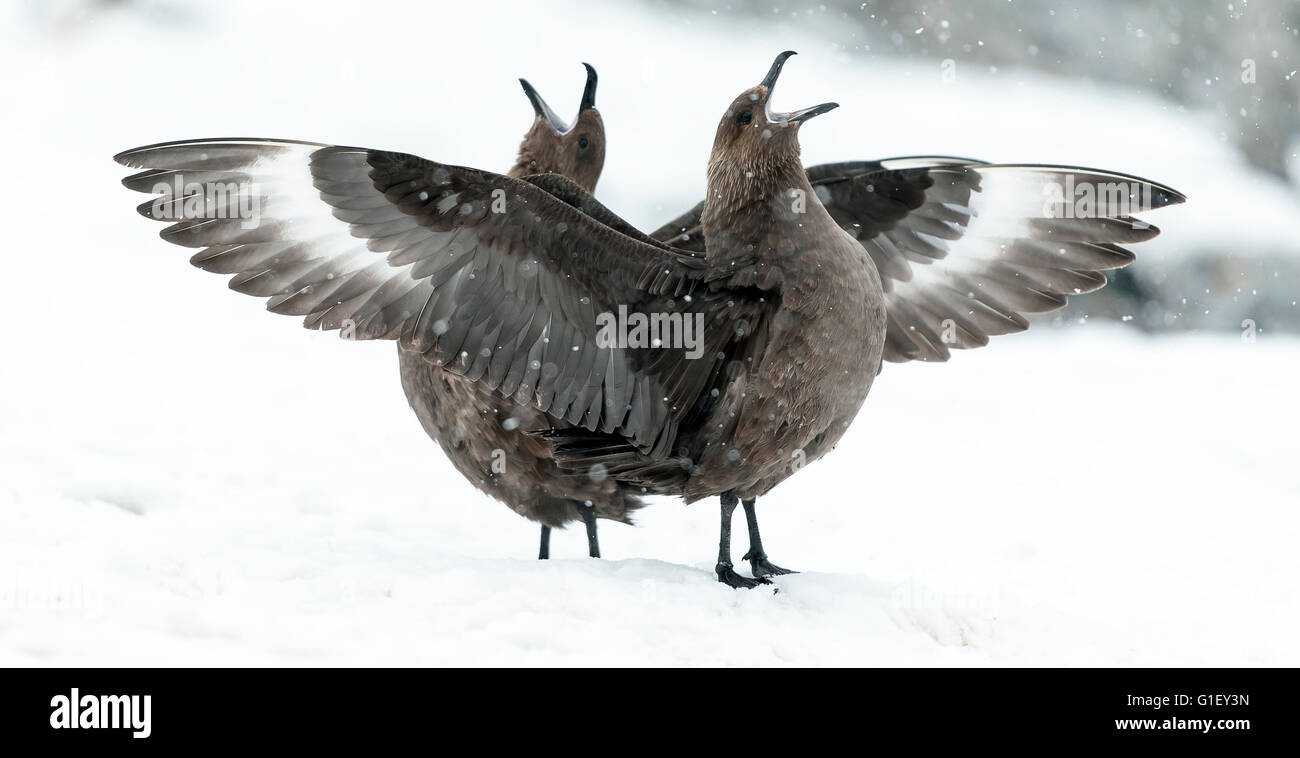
487 276
966 249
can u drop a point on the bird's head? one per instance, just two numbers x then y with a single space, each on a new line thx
752 136
576 150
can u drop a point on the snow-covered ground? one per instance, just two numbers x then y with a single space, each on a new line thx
257 497
185 479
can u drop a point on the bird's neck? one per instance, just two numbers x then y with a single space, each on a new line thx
526 164
533 158
753 209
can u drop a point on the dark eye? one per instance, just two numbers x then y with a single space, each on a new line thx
582 143
745 117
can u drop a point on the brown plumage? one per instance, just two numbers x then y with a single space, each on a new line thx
487 437
948 283
501 280
944 283
552 146
807 307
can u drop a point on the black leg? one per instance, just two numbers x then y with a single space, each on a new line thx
589 518
545 552
726 572
756 557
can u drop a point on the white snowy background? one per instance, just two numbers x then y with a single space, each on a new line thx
186 479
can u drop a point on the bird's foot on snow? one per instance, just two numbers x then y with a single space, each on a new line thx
544 552
764 568
728 576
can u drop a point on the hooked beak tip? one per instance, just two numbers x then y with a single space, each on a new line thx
532 95
588 91
775 71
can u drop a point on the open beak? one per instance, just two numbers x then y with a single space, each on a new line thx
543 110
800 116
795 117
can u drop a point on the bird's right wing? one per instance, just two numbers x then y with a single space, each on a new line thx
965 248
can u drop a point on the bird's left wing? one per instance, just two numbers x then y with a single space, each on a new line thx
487 276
